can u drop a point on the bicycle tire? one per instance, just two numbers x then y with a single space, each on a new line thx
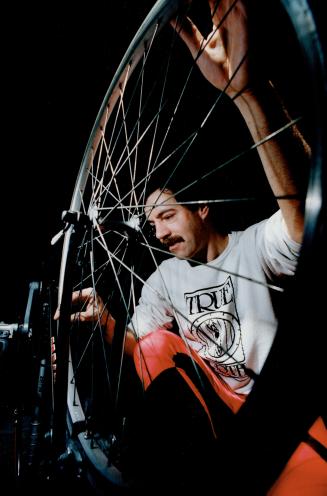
300 17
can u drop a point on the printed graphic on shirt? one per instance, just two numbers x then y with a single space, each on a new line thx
215 323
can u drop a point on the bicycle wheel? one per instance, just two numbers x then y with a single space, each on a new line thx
157 117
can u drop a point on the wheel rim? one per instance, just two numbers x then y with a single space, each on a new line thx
115 212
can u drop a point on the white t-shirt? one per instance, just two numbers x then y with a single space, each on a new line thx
227 318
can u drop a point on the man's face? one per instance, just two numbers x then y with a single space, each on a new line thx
181 230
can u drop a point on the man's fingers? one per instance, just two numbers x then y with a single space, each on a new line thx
80 316
89 315
213 4
189 33
82 295
91 307
221 8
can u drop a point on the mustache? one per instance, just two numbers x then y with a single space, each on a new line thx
171 241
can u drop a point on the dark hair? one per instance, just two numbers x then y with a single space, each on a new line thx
214 168
192 192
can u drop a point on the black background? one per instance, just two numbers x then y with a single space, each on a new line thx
58 60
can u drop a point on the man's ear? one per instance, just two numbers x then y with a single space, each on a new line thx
203 211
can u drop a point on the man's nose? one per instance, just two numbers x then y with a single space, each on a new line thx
161 231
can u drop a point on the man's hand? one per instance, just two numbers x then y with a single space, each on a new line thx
92 307
222 56
92 310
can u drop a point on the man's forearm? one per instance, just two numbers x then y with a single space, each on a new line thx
283 156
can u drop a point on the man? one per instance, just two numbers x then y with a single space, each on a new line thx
226 324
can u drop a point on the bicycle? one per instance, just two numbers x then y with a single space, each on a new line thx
106 245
